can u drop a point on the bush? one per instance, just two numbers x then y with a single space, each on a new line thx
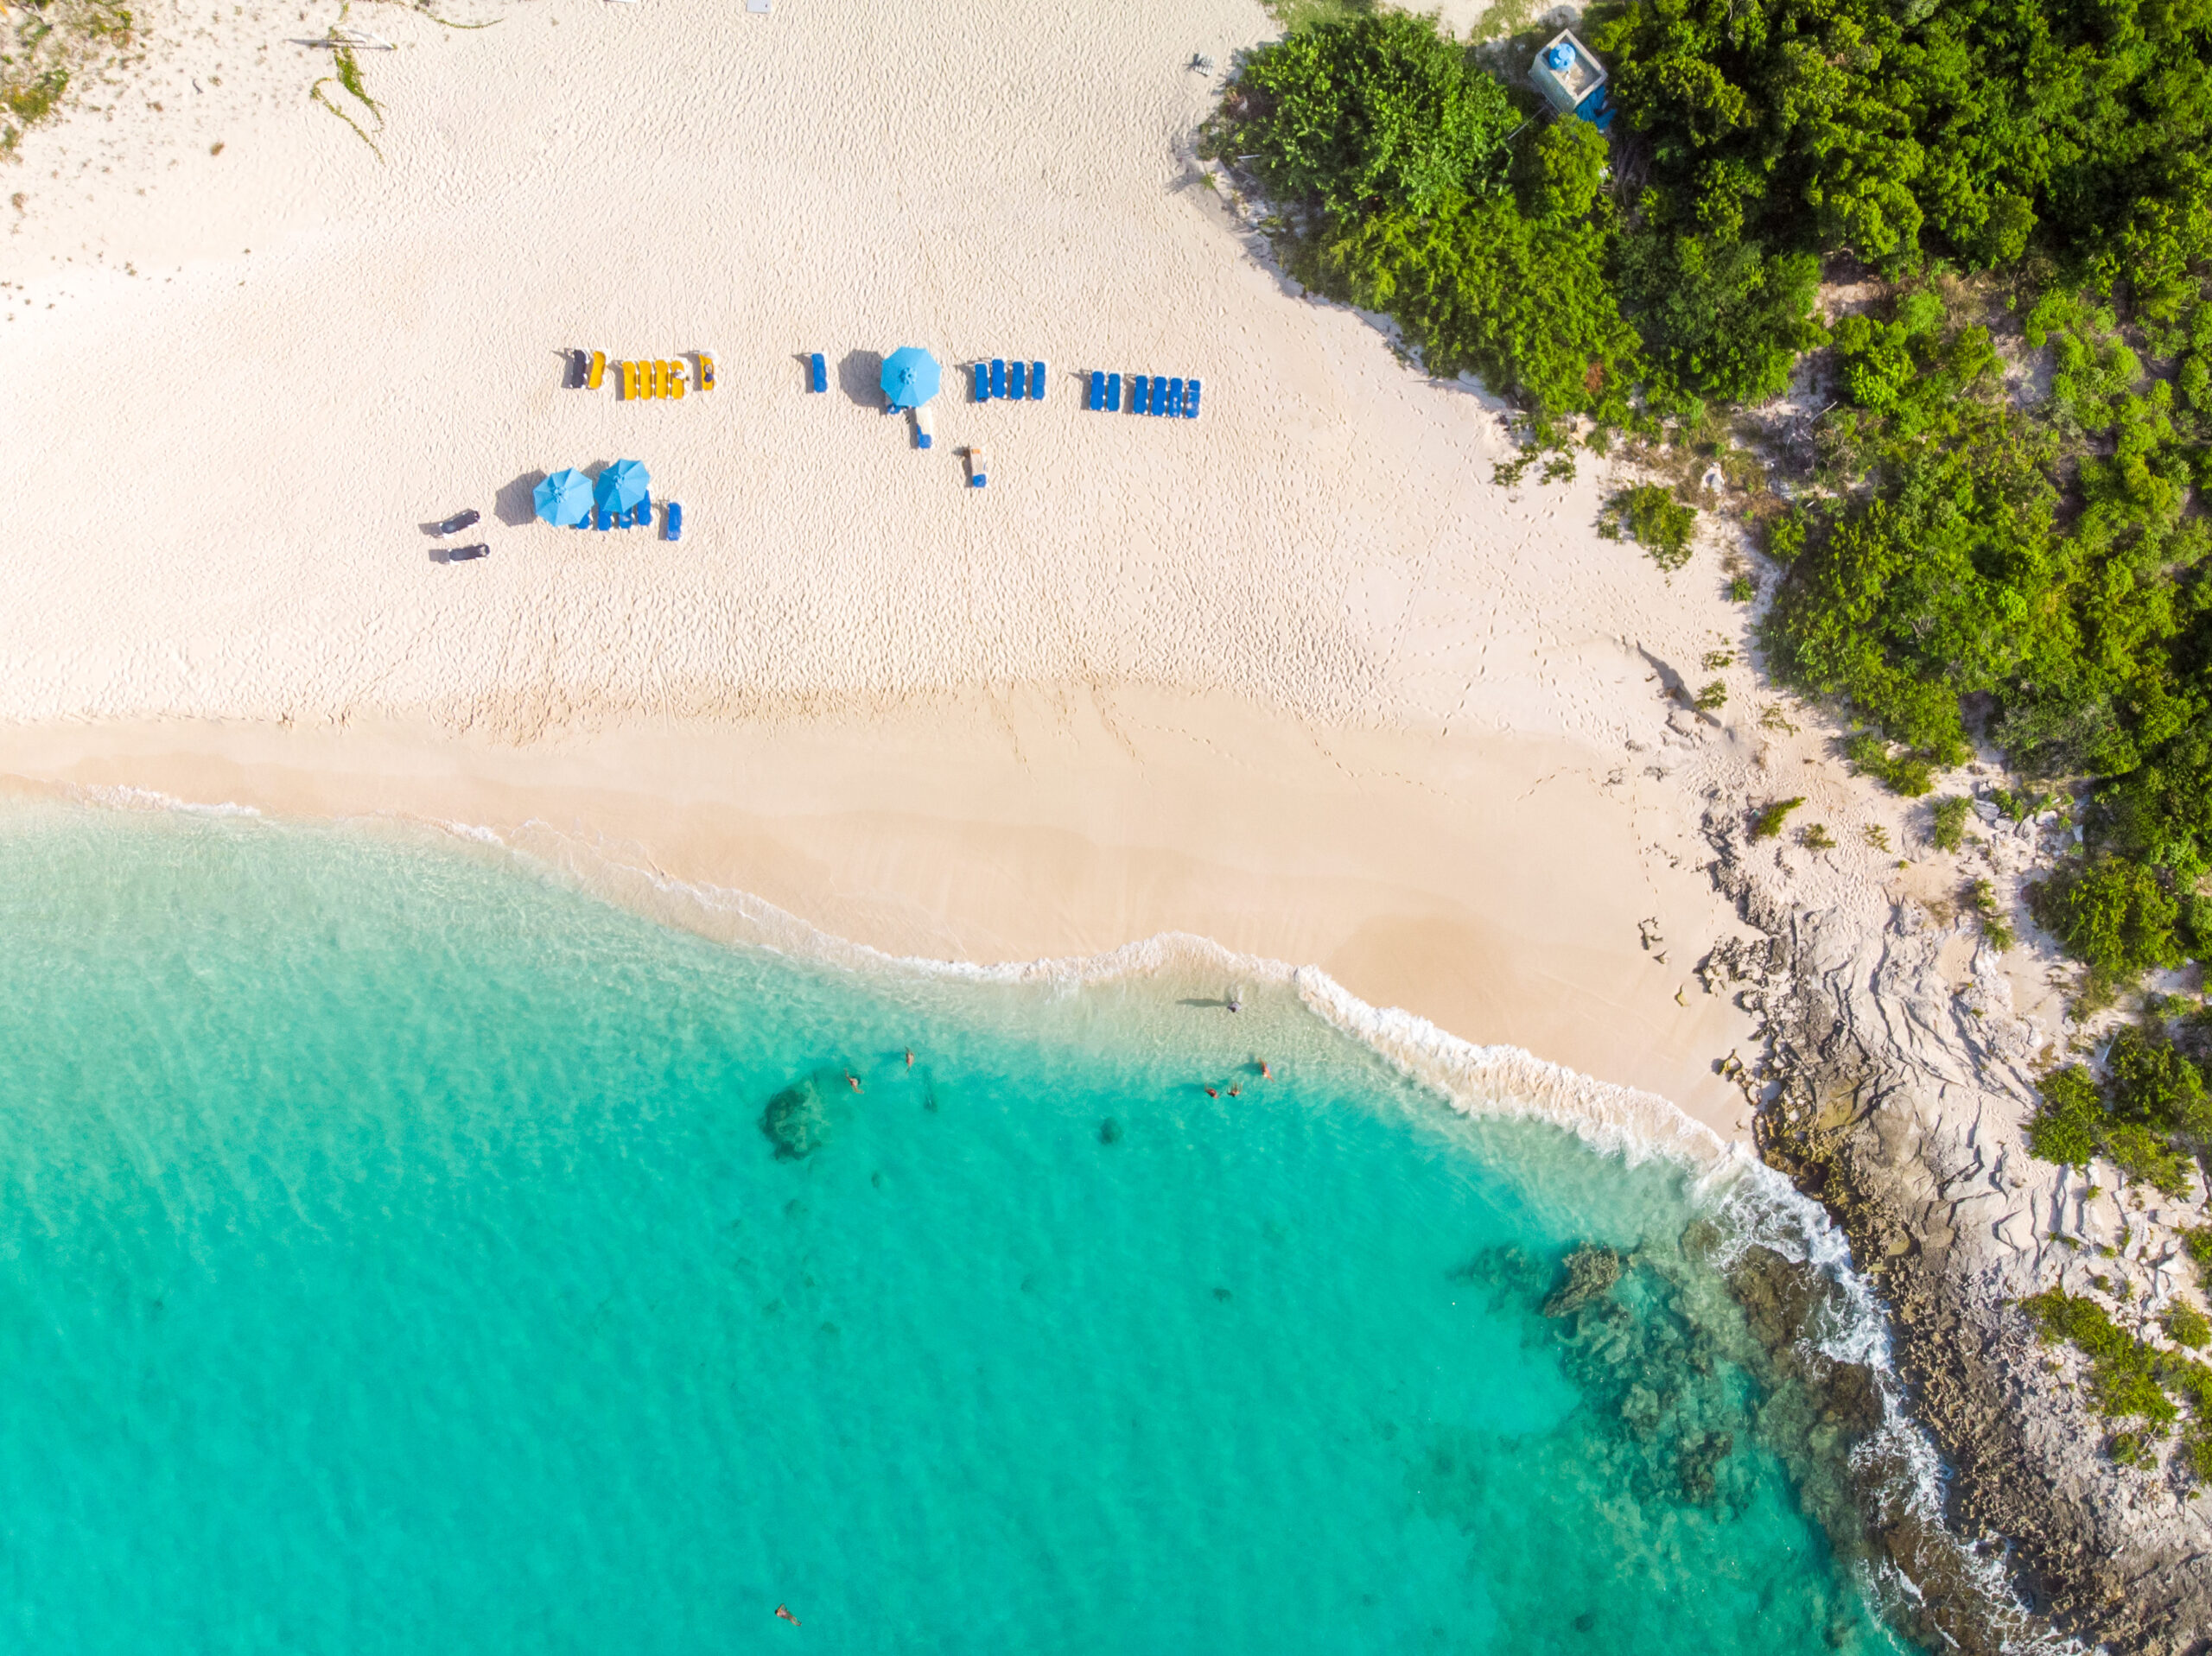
2116 916
1767 825
2152 1081
1373 112
2123 1373
1658 521
1948 824
1905 773
2187 1326
1559 174
1524 303
2070 1123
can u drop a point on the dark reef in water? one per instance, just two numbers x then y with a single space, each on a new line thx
797 1120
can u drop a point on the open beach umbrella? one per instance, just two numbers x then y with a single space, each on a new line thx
622 485
564 499
910 377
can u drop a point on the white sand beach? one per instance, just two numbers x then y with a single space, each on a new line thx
1296 676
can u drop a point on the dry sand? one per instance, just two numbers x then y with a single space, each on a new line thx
1297 676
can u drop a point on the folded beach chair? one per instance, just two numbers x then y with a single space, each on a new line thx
675 521
706 372
602 518
672 380
1113 393
976 475
572 378
1036 382
598 369
641 515
817 373
1189 399
998 375
1017 380
1096 401
1175 398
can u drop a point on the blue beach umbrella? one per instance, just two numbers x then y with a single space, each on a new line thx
622 485
564 499
910 377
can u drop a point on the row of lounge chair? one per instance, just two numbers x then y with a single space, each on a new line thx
1152 394
638 516
638 379
999 378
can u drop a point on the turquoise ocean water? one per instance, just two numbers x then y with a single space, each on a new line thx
396 1255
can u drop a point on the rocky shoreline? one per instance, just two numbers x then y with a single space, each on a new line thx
1898 1101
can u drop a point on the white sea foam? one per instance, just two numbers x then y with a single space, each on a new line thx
122 797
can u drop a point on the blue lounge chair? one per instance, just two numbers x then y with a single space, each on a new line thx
1189 399
998 375
1017 380
641 515
1097 400
817 376
1139 392
982 382
977 477
602 518
675 531
1113 393
1175 398
1036 382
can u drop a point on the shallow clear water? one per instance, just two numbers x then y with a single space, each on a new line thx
392 1258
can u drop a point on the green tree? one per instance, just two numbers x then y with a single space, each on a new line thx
1378 111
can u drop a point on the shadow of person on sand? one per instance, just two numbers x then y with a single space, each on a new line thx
860 376
514 504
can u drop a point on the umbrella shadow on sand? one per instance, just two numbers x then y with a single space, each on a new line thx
860 376
514 504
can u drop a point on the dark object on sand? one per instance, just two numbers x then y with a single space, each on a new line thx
458 521
579 369
463 553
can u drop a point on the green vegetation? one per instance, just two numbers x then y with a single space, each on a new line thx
1713 697
2132 1381
1947 826
1817 838
1968 557
1906 773
1981 897
2187 1326
43 46
1660 523
1767 825
2151 1116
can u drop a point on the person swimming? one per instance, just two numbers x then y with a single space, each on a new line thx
786 1615
853 1080
909 1057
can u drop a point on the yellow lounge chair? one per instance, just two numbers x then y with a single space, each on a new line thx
598 369
671 380
706 371
633 381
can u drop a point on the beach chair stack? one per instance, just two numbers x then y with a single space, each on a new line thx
1001 380
642 381
1160 394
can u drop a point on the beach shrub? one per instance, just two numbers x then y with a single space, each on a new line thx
1371 113
2187 1326
2069 1125
1948 823
1559 172
2115 915
1996 930
1767 824
1659 523
2123 1370
1478 286
1905 773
